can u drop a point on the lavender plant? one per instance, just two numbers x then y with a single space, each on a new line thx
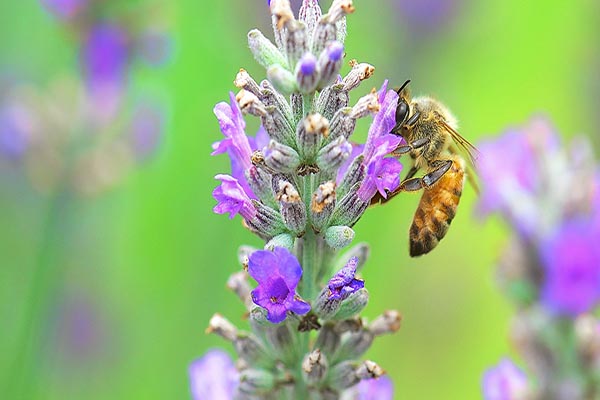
300 184
551 269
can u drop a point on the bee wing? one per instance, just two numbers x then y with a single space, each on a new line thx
462 145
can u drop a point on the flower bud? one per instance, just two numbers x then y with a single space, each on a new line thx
331 157
323 204
265 52
282 240
292 207
281 158
260 182
307 74
252 351
338 237
314 367
266 223
324 33
282 341
328 340
339 9
256 381
358 73
331 99
310 133
366 105
310 13
250 104
222 327
352 305
354 175
349 209
271 97
388 322
283 80
342 123
330 62
354 345
349 373
243 80
295 41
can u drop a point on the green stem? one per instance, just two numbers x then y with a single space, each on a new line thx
45 277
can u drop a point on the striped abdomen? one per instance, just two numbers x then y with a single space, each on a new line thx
436 210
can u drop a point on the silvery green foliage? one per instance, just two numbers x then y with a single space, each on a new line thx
301 186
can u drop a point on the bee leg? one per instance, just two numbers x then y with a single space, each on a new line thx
412 120
411 173
413 184
405 148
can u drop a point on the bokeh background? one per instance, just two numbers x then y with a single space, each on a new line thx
106 293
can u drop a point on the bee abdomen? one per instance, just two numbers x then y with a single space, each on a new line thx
436 211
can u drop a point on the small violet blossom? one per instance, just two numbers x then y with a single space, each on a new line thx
571 261
236 143
504 382
277 273
213 377
344 282
104 60
382 174
232 198
375 389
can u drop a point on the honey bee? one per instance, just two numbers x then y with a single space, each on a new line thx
434 145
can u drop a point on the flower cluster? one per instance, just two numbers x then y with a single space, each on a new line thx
85 133
551 269
301 184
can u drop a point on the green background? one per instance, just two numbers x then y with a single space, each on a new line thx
152 259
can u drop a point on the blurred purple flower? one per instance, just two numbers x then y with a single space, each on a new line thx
277 273
236 143
344 282
15 131
232 198
382 173
512 173
427 16
104 60
65 9
375 389
213 376
81 328
571 260
504 382
147 127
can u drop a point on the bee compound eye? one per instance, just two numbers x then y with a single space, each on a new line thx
401 111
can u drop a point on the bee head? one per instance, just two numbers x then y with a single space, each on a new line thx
403 109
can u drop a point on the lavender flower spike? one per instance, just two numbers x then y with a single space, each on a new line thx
344 282
277 273
213 377
232 198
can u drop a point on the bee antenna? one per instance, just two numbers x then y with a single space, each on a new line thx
403 86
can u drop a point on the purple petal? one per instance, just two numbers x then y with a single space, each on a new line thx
289 267
232 198
276 313
299 306
375 389
262 265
